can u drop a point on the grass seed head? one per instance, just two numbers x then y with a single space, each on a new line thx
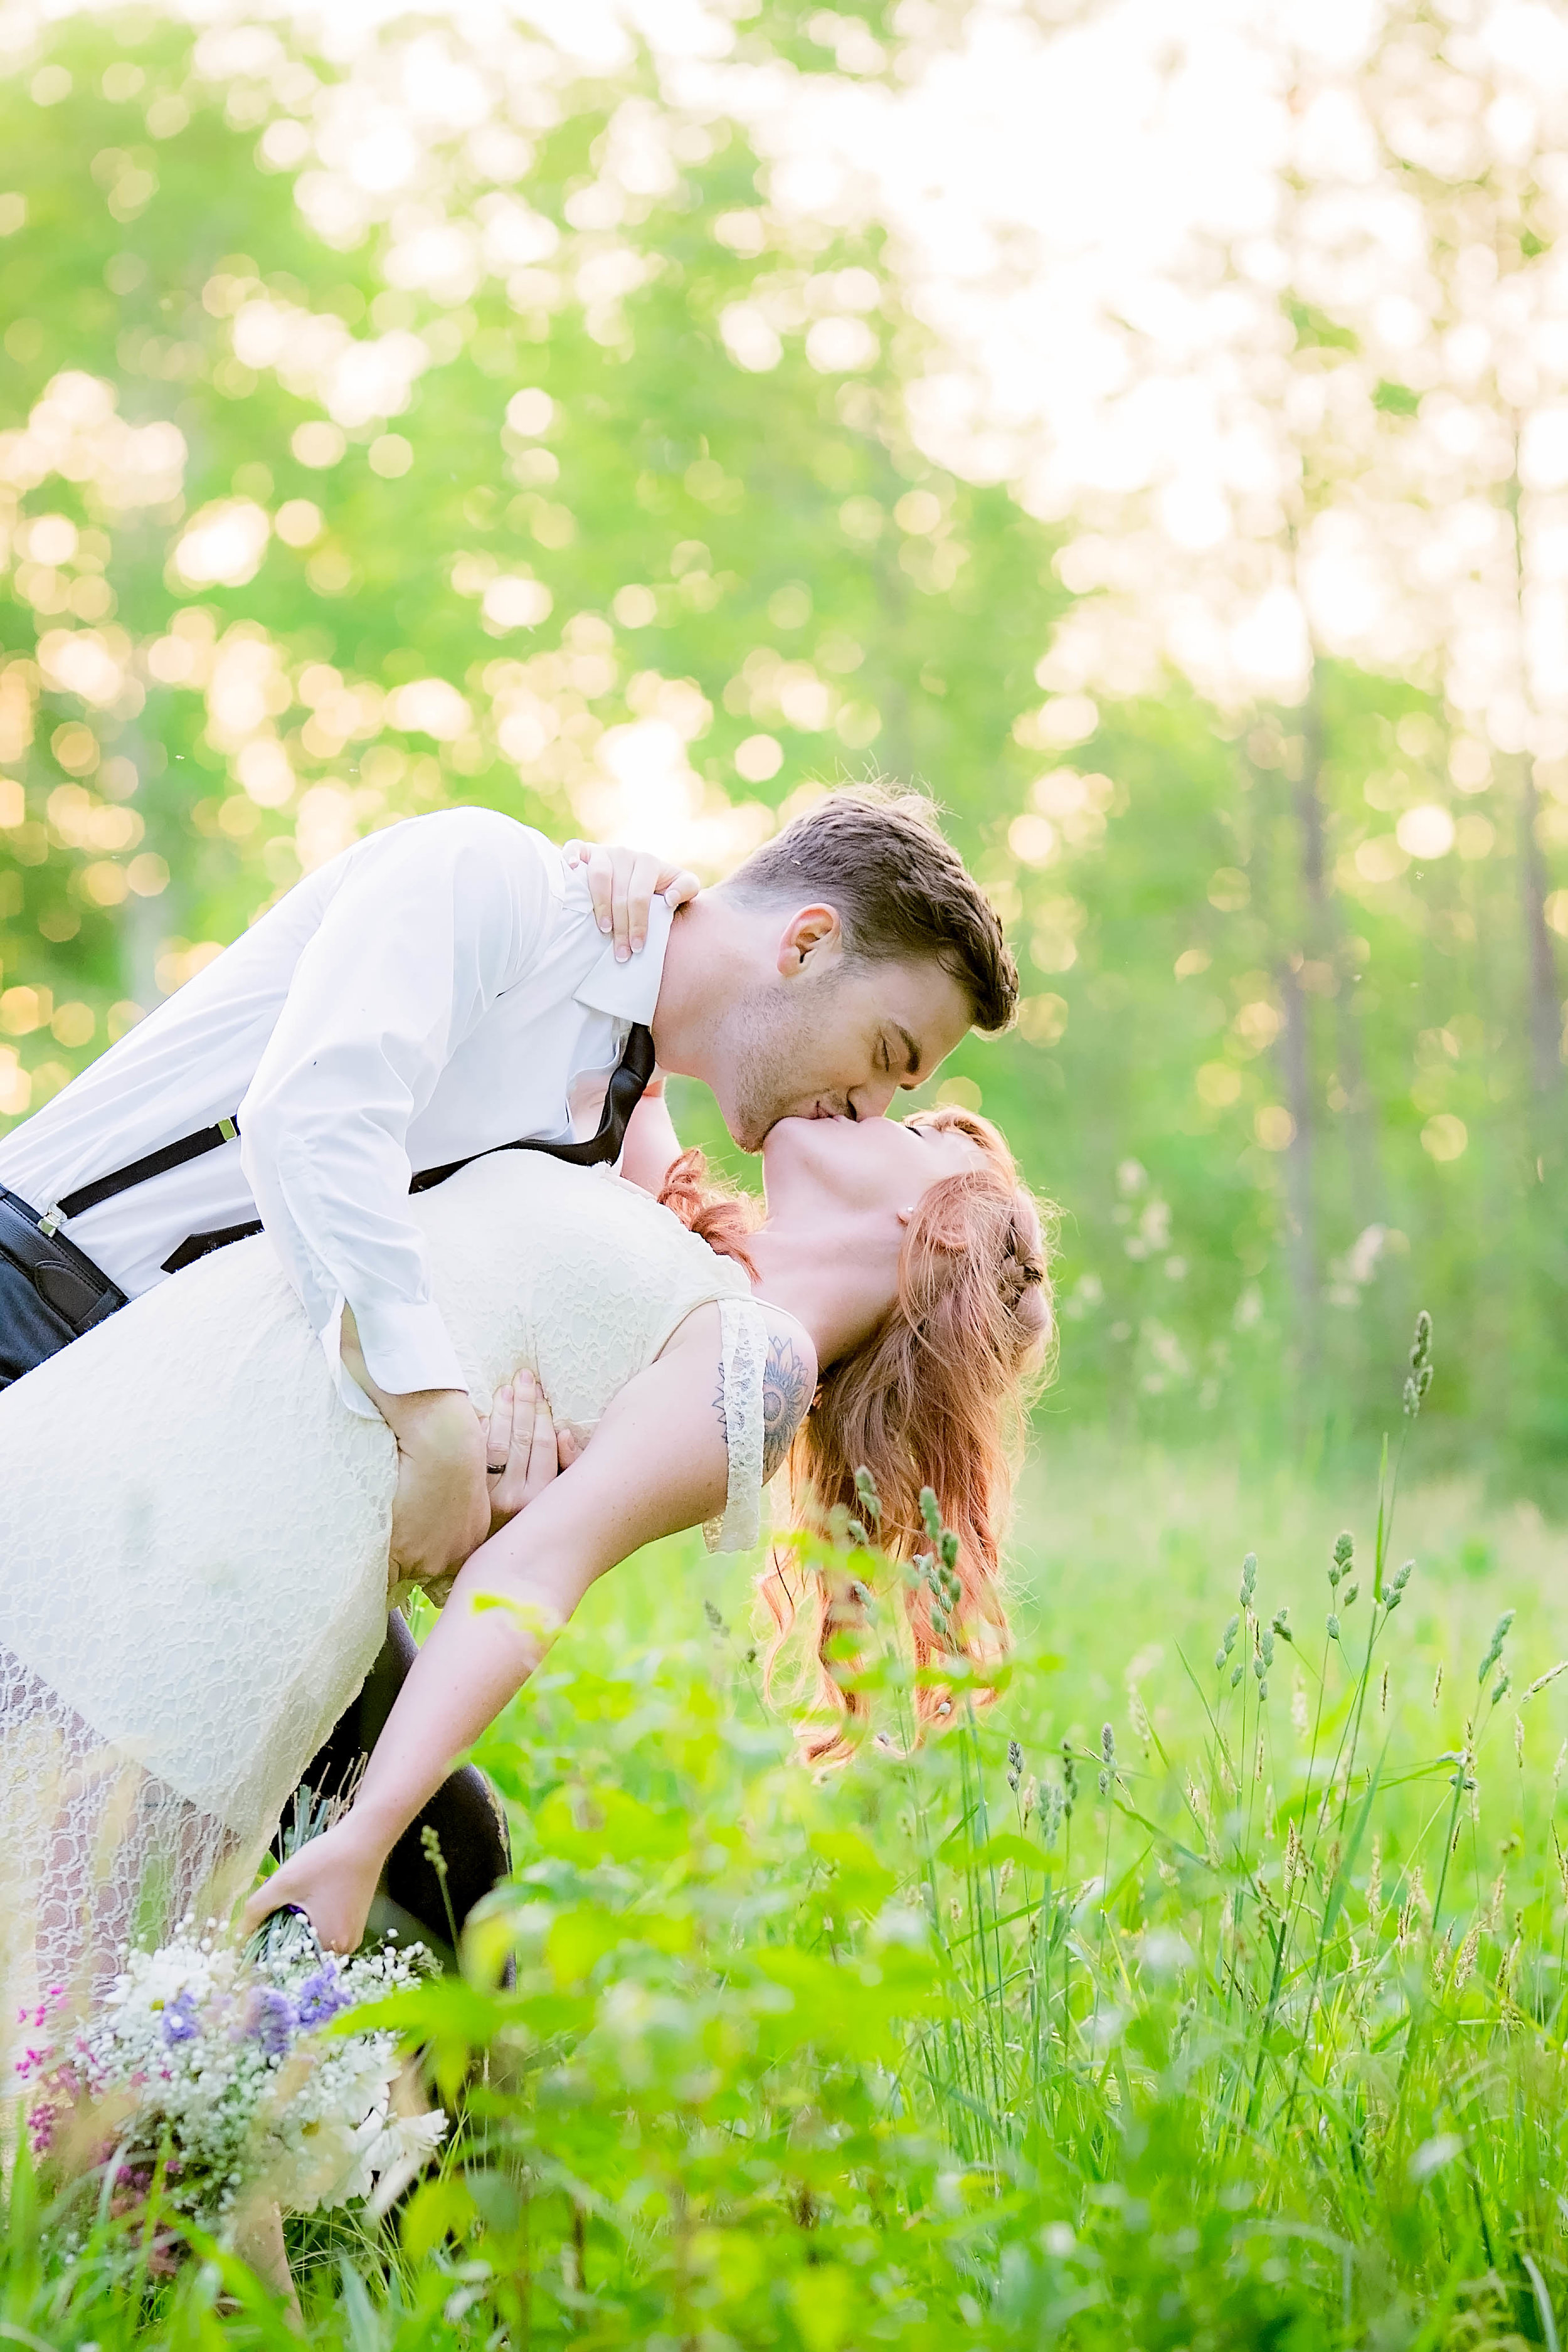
1248 1579
1015 1765
1421 1346
1494 1649
1420 1376
1293 1866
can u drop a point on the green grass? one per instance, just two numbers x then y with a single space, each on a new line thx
904 2058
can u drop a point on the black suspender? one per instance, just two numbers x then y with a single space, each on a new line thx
627 1081
139 1172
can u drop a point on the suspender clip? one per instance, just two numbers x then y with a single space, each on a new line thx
50 1222
227 1129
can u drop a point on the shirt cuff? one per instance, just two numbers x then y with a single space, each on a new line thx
406 1348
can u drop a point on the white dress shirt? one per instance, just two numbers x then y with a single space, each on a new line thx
437 990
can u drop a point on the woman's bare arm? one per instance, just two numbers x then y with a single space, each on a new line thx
658 1463
652 1145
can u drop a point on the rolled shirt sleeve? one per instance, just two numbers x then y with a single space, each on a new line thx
432 921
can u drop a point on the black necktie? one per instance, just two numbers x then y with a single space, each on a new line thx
622 1096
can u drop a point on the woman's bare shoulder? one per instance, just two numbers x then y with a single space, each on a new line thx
789 1371
789 1383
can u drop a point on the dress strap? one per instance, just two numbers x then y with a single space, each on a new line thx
743 1341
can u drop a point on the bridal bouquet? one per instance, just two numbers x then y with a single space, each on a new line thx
212 2067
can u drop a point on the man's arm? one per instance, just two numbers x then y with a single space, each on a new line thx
430 923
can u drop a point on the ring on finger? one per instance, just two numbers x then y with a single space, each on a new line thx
495 1469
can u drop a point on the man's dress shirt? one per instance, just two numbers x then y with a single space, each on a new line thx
438 988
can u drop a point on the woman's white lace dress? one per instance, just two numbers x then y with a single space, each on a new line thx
193 1536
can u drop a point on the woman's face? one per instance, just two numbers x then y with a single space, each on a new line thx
874 1168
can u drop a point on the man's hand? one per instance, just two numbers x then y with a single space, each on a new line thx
441 1511
524 1449
623 883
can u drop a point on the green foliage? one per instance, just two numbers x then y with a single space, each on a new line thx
1169 2004
596 436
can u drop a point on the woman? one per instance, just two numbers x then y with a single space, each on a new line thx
196 1574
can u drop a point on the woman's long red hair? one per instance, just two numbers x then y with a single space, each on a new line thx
934 1398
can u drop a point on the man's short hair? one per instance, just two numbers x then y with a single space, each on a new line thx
900 891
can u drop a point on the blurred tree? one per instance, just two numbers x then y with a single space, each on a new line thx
443 424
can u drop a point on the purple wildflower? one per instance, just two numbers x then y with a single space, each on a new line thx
272 2020
180 2021
322 1996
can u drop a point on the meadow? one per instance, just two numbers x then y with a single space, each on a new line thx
599 424
1206 1990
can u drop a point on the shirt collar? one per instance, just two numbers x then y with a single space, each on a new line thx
630 992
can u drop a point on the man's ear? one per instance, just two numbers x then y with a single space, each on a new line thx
814 937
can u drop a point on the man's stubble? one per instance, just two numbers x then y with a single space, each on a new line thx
773 1045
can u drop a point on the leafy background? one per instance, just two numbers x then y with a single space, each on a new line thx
395 418
1151 433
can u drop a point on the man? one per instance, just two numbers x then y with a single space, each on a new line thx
442 990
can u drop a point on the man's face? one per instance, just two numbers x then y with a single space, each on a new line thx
833 1042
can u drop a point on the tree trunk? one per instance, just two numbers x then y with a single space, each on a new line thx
1544 1011
1295 1069
1544 1016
